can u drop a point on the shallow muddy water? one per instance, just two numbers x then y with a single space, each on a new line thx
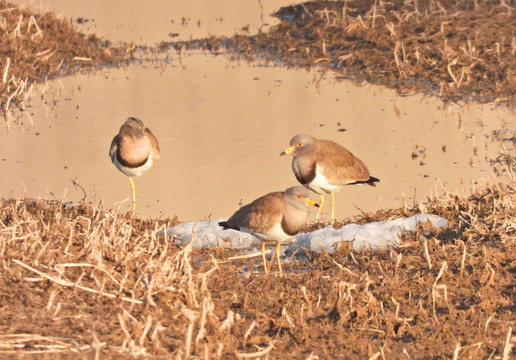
221 125
150 22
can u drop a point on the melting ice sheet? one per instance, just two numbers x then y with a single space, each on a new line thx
375 235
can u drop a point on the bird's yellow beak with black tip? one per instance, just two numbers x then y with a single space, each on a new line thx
311 202
289 150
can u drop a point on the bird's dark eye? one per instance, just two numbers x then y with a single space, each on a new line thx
299 144
299 197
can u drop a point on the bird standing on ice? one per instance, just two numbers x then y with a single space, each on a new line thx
275 217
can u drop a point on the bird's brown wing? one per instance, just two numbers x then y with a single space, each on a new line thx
260 215
339 164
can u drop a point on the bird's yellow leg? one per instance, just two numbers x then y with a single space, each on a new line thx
277 257
134 194
332 208
263 258
320 208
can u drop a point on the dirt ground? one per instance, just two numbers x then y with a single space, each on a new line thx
82 282
78 281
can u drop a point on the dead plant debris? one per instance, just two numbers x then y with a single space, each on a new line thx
77 280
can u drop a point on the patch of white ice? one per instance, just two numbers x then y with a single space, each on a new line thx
375 235
209 234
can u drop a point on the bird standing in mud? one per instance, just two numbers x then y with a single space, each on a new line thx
134 150
325 167
275 217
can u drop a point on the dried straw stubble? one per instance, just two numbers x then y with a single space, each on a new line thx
169 301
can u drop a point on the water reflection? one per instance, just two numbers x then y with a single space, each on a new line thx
221 126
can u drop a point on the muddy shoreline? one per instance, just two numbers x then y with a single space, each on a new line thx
458 51
39 46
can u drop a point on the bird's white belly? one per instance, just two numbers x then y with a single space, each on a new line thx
133 171
321 185
276 233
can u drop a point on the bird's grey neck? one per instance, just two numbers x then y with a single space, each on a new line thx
304 151
295 217
297 208
304 169
131 131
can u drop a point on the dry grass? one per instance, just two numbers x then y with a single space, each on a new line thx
79 281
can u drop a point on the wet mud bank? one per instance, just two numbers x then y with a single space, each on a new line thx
456 50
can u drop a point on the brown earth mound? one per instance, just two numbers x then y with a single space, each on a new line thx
83 282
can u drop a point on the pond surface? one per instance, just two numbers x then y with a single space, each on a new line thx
221 125
153 21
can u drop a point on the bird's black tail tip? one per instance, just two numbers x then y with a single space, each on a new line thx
224 225
372 180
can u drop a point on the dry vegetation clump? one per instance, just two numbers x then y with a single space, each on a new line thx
36 46
454 49
82 282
